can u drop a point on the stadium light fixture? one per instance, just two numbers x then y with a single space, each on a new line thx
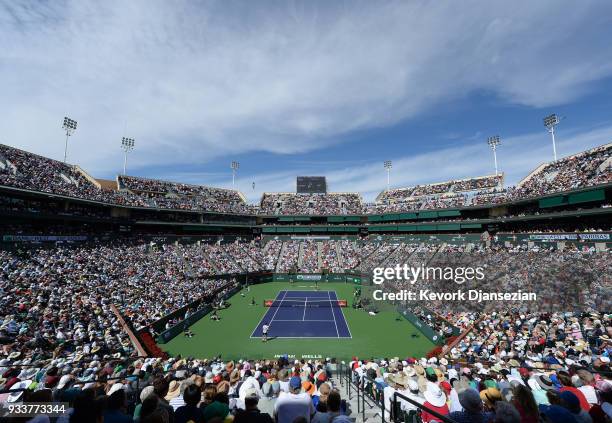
127 144
69 125
234 166
388 165
550 122
493 142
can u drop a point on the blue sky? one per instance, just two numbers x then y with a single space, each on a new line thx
306 88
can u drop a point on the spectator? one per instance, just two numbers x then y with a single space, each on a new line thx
144 394
571 402
525 404
567 386
251 413
472 408
293 404
434 400
116 407
190 412
86 409
333 413
557 414
507 413
160 388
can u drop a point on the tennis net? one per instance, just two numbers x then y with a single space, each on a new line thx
305 303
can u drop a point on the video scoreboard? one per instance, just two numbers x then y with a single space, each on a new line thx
311 185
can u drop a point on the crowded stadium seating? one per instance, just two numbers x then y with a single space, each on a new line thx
582 170
57 321
29 171
174 195
70 310
463 185
308 204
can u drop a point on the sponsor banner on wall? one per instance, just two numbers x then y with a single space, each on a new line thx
308 277
43 238
556 237
570 237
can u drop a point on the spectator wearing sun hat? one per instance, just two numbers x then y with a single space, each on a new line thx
249 382
309 387
412 392
178 400
539 394
434 400
174 390
489 397
394 382
116 406
144 394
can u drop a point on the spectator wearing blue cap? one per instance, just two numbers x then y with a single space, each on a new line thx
570 401
293 404
557 414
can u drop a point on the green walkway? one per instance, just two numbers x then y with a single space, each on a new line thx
373 336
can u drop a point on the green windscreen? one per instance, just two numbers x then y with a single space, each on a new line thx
587 196
553 201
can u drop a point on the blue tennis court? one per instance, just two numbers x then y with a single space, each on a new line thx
304 314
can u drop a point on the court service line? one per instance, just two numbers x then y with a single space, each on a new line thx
334 314
264 316
266 313
305 307
278 307
344 318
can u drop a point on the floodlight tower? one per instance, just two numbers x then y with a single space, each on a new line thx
234 166
388 165
493 142
70 125
127 144
550 122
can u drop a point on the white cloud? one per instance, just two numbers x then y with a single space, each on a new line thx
192 81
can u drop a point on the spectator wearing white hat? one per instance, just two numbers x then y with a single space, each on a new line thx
116 406
435 400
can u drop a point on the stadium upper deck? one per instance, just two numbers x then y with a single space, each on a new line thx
21 169
480 183
291 203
